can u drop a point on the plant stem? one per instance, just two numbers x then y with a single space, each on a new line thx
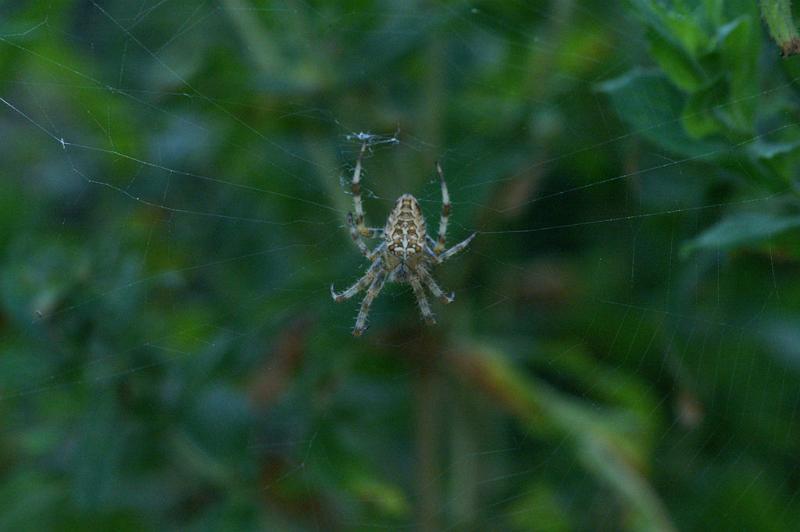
464 461
429 383
427 401
778 16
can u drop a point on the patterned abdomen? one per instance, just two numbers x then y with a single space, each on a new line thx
405 228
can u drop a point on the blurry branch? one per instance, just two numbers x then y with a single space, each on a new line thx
466 425
595 434
434 99
427 434
429 389
778 16
282 71
323 156
284 492
275 376
255 39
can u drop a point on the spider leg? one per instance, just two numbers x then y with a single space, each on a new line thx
430 282
422 299
355 186
359 285
446 207
455 249
356 236
373 291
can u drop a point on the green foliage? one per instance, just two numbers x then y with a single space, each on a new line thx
622 352
707 53
710 57
741 229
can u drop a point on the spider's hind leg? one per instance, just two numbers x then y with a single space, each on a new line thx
437 292
373 291
422 299
359 285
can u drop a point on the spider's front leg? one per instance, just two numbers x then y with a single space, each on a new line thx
358 205
438 259
437 248
359 242
446 207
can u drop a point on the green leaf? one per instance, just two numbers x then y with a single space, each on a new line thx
742 229
714 10
388 498
538 508
766 150
649 103
608 442
738 44
699 116
681 68
681 25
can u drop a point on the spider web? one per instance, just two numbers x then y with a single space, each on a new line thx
176 192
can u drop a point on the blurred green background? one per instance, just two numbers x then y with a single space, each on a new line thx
624 348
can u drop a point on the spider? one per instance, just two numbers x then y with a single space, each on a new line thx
406 253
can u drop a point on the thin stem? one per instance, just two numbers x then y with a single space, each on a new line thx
464 456
778 16
427 434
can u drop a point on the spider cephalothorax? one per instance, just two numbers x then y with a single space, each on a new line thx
405 254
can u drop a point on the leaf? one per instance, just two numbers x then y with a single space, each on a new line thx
766 150
388 498
782 336
714 11
682 26
742 229
608 442
649 103
699 117
738 44
539 508
681 68
686 27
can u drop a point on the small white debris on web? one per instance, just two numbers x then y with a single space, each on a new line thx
372 140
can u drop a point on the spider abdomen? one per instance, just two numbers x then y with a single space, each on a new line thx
405 228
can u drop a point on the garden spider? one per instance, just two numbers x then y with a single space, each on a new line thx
406 253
